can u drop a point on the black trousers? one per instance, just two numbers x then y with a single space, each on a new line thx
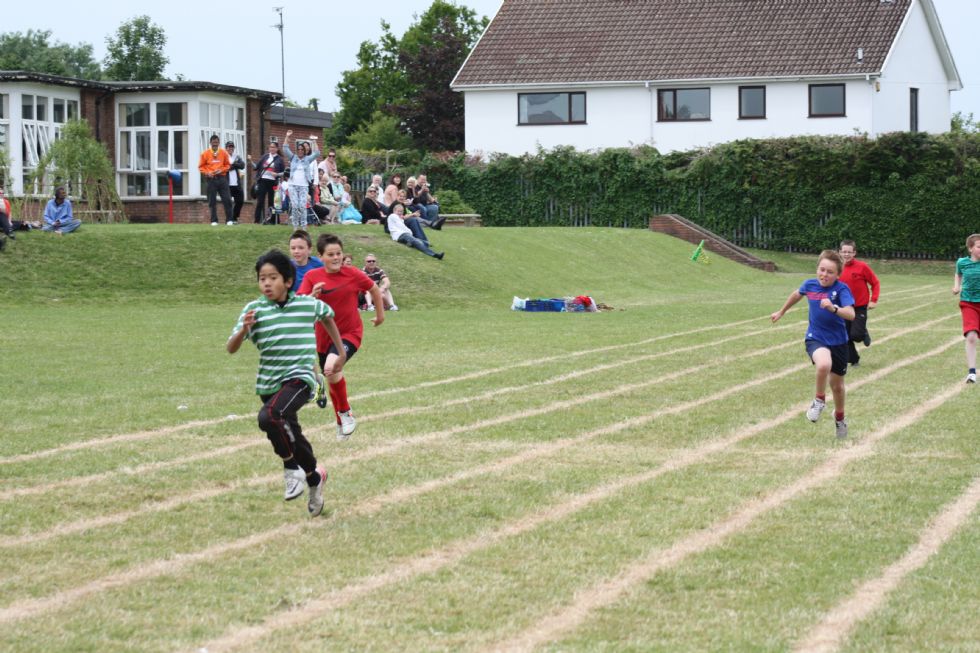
238 198
858 329
218 185
5 225
265 198
278 418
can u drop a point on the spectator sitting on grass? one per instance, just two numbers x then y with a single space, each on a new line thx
400 232
378 276
57 214
374 212
391 190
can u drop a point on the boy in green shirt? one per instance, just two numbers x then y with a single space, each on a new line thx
966 284
280 323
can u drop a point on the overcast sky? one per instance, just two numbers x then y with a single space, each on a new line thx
236 43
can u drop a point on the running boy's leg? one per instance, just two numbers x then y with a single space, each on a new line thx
858 331
278 418
338 390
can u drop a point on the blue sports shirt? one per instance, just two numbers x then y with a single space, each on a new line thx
301 271
825 327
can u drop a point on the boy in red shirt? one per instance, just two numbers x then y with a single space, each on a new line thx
338 285
858 277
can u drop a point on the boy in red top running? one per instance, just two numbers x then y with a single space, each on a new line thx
338 285
858 277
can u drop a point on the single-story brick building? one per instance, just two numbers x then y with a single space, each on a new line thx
149 128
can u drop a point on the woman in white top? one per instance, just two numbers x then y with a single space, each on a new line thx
300 178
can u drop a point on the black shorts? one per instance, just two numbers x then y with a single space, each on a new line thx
838 355
349 348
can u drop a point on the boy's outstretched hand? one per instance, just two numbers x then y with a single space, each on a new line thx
775 316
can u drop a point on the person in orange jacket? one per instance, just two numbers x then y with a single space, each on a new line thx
214 164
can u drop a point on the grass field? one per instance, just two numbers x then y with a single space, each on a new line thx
641 479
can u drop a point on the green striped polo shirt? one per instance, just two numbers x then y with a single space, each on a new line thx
969 269
285 339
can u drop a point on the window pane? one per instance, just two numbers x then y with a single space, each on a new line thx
138 185
229 117
136 115
72 109
163 150
42 108
4 99
543 108
666 105
578 107
27 107
125 150
752 102
162 181
58 111
171 113
693 104
180 150
215 115
142 151
827 100
204 115
3 137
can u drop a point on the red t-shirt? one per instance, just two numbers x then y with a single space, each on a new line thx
858 276
340 292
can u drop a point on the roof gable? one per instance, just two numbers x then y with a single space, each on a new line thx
569 41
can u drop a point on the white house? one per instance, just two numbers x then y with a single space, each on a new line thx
681 74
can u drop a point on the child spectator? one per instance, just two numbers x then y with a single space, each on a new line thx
858 277
966 284
338 286
300 246
826 341
378 276
279 324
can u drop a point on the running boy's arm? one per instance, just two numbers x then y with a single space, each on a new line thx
846 312
794 297
957 282
331 327
379 305
237 338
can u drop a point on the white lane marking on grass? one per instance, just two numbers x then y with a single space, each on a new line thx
169 430
256 442
839 623
605 593
454 552
29 608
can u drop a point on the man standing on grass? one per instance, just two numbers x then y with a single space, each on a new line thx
214 164
858 277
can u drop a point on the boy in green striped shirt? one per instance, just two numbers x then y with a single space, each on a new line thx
280 323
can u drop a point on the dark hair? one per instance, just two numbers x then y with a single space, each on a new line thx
302 235
214 137
328 239
280 262
831 255
848 243
229 144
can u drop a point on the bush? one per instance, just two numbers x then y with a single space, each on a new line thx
451 202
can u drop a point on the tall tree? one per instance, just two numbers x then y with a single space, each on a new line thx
136 52
35 52
392 74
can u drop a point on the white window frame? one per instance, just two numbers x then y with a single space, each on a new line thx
192 184
35 136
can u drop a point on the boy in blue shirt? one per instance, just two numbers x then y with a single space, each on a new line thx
831 307
300 245
966 284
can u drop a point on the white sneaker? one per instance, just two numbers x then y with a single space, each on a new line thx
813 412
841 428
230 223
315 504
394 307
347 425
971 378
214 224
295 483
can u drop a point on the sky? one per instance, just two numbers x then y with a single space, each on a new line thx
237 43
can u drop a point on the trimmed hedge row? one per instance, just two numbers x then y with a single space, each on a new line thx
901 194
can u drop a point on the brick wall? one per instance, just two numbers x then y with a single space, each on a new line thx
678 227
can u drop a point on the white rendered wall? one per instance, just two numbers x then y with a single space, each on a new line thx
914 63
627 116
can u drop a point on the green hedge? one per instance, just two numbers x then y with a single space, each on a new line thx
901 194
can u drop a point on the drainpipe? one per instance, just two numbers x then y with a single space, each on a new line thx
650 91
